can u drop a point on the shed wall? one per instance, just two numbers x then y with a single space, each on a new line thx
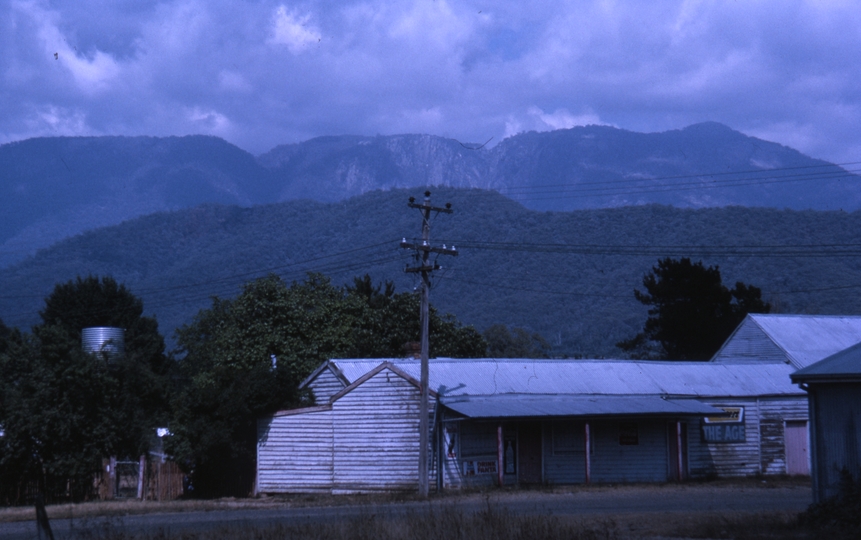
764 448
564 452
376 435
774 413
294 453
326 385
837 435
450 451
645 461
708 459
750 343
478 443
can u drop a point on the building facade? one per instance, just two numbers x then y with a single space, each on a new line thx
507 421
520 421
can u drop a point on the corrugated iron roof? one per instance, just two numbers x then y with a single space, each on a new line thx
489 376
519 406
842 366
802 339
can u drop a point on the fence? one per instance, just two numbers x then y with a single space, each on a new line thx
154 479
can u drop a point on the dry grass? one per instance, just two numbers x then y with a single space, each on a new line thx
136 507
489 524
447 522
446 519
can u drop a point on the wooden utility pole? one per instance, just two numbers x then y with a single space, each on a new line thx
425 267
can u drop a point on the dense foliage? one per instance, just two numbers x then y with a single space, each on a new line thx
838 517
64 410
567 275
505 342
691 312
245 357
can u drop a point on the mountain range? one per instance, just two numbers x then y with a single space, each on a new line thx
53 188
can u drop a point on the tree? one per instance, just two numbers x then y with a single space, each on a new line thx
691 312
62 409
246 357
5 332
387 321
505 342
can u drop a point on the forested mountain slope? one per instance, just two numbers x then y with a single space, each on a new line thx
568 275
51 188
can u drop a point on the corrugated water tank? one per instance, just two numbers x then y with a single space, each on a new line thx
107 340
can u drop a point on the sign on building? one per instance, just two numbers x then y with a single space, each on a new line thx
725 429
474 468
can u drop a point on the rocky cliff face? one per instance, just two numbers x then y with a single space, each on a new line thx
704 165
333 168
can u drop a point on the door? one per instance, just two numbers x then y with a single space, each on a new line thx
529 456
795 439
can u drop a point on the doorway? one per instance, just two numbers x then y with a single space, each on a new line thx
529 458
795 439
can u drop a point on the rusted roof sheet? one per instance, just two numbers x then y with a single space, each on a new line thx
799 339
520 406
489 376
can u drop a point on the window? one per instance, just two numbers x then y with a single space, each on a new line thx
628 434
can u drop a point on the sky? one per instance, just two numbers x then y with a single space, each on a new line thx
264 73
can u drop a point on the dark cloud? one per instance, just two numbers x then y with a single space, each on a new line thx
260 73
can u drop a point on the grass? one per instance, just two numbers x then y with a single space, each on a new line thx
448 522
491 523
444 519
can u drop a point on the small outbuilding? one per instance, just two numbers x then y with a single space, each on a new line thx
833 386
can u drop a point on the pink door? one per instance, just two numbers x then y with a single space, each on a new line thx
795 438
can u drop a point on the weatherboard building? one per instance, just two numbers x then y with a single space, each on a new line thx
523 421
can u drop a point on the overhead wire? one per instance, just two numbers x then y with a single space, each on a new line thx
207 289
725 179
193 292
651 250
373 256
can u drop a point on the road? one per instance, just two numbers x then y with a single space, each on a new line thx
613 501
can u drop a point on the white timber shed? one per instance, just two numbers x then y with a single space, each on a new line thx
522 421
507 421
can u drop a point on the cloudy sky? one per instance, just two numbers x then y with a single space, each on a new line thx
260 73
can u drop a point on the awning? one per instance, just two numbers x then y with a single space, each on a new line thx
520 406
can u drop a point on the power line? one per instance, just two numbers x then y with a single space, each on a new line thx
232 278
575 192
652 250
630 186
709 174
188 293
